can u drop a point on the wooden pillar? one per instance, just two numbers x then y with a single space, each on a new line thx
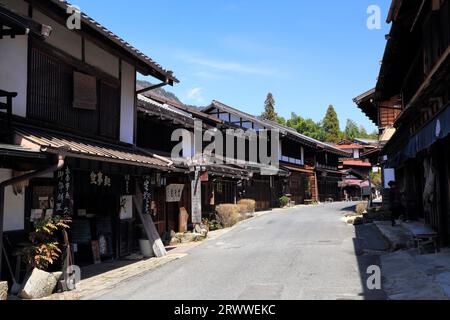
149 226
2 208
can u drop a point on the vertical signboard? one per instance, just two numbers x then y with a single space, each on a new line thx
63 202
196 187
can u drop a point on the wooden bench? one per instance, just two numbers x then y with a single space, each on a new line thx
425 236
308 202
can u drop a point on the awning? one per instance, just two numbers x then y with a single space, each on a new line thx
19 151
297 169
436 130
225 171
356 163
78 147
337 172
355 183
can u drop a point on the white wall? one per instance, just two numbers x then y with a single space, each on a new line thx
14 70
127 103
102 59
14 218
61 37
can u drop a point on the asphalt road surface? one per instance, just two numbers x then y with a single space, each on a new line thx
304 253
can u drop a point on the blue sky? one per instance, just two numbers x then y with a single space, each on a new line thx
309 54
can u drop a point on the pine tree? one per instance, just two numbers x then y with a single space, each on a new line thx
331 125
269 108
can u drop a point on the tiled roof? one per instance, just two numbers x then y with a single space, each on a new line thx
273 125
164 106
120 42
12 149
77 147
349 146
356 163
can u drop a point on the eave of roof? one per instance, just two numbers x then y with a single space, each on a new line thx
17 21
148 105
194 112
53 142
153 68
394 10
349 146
365 104
19 151
357 164
364 96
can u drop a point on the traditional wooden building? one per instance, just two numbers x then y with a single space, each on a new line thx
413 85
220 183
308 168
71 116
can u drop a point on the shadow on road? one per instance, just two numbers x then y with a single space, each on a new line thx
368 246
351 208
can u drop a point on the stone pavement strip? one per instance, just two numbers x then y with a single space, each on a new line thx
397 237
92 287
409 276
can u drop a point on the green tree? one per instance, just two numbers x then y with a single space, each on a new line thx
363 132
351 130
374 135
269 108
331 125
306 126
281 120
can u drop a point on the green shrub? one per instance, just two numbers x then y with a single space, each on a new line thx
284 201
247 206
228 214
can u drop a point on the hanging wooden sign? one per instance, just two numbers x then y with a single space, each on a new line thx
174 192
196 195
64 201
96 252
147 195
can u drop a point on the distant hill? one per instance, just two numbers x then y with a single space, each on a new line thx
163 93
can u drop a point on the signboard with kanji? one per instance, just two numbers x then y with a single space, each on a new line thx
174 192
196 195
63 202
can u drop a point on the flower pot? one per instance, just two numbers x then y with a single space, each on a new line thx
146 248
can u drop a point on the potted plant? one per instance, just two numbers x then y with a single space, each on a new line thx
44 248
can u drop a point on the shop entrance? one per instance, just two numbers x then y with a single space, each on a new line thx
93 232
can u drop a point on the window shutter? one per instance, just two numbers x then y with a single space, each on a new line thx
84 91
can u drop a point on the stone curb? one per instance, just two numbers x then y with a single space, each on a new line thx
392 244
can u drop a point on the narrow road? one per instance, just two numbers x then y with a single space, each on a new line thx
305 253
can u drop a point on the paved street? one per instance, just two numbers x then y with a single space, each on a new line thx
304 253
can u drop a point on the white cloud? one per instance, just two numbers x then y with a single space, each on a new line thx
196 95
228 66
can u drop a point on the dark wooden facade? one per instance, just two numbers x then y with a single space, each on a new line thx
94 137
412 94
51 95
